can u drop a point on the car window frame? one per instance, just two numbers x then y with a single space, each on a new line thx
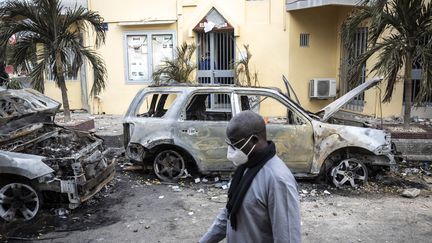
276 96
182 115
140 100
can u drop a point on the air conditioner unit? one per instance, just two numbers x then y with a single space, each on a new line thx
322 88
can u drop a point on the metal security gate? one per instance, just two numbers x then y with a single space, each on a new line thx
216 53
348 58
416 76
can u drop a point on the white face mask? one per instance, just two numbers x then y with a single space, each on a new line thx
237 156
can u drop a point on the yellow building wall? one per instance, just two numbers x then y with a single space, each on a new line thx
118 94
271 32
374 96
134 10
321 58
74 93
260 24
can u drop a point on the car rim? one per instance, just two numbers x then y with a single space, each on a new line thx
18 201
349 171
169 165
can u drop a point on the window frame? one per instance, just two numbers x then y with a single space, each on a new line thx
149 34
142 98
277 97
183 116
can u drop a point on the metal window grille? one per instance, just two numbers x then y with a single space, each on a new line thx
304 40
49 72
417 74
70 57
216 55
348 59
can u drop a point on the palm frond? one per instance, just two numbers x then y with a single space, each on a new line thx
84 19
99 70
395 28
37 76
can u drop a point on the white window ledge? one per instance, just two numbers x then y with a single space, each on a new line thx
303 4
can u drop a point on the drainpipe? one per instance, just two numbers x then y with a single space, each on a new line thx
179 17
83 83
83 78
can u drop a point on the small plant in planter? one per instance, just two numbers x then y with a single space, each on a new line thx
178 69
243 75
13 84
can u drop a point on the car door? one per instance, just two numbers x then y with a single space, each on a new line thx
201 128
288 128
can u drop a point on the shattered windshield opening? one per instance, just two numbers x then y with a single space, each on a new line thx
311 114
156 104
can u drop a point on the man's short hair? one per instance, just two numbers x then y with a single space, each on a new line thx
246 123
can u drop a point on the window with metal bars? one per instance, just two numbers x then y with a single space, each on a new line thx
304 39
49 72
416 74
349 57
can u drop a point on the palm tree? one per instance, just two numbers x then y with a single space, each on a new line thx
400 34
50 37
177 69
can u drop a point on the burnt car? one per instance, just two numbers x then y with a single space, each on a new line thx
43 162
175 128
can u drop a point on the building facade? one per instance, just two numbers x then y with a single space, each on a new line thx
298 39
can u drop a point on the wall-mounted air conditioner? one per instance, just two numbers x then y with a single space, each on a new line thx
322 88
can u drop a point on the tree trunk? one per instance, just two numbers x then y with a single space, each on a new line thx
408 89
62 85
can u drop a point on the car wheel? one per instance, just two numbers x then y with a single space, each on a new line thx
18 201
169 165
349 171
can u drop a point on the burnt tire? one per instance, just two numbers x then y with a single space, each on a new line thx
19 201
169 165
350 172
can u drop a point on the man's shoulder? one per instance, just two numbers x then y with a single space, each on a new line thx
277 170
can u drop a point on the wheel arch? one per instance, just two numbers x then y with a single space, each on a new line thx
12 177
23 172
331 157
190 160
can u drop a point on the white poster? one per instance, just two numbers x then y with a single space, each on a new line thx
162 49
137 57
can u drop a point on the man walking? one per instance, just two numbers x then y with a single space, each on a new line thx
263 203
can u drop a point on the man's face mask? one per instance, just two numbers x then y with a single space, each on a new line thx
236 155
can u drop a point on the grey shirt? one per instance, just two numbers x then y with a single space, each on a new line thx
270 211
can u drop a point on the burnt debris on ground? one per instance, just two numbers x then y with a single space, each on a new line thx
95 212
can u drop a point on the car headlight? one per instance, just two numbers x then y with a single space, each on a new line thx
386 148
46 178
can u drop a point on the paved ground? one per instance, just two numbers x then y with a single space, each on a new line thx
137 208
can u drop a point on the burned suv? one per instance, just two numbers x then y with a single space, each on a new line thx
183 127
41 161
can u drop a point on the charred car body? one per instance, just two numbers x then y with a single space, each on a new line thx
179 127
41 161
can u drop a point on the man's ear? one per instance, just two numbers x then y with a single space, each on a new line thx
254 139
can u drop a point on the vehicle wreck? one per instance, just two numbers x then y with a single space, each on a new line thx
183 127
41 161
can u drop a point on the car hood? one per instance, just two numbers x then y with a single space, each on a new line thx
24 106
336 105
